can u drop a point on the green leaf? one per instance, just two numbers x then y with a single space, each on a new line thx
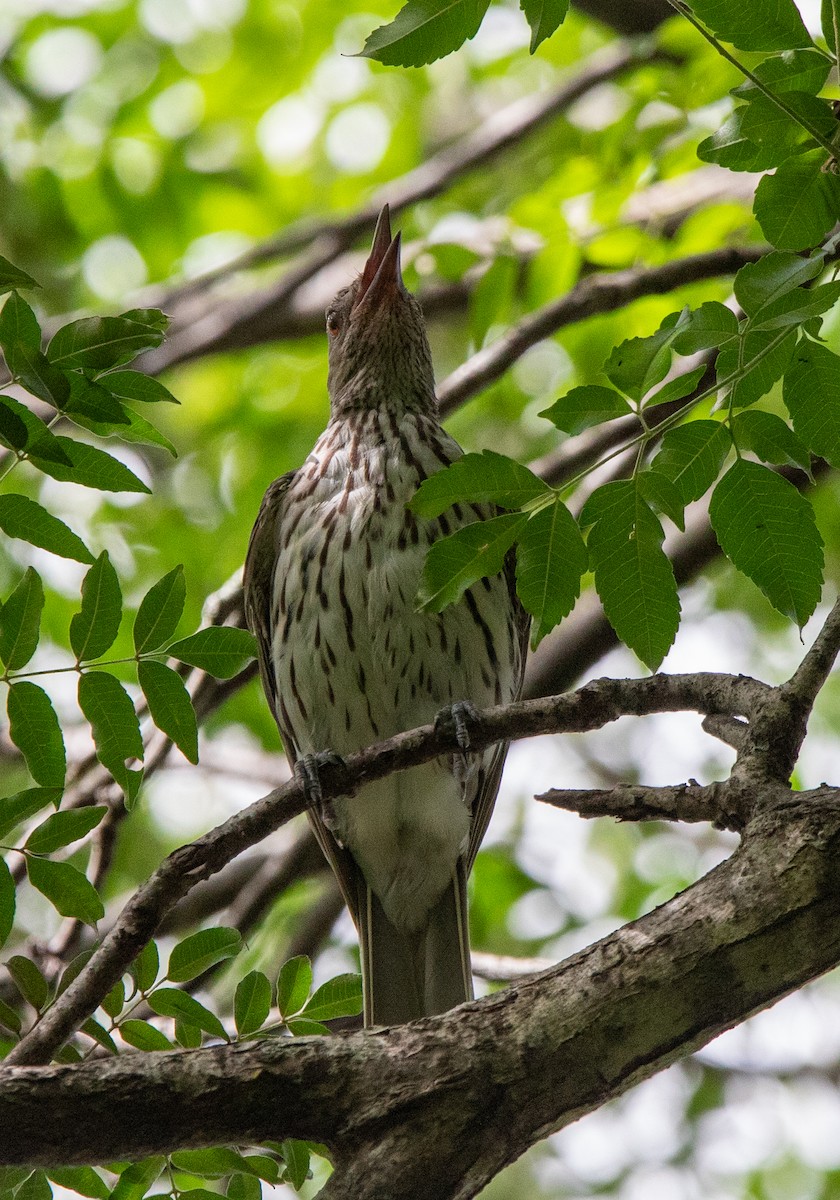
29 981
729 147
91 467
134 385
303 1027
91 402
425 30
761 283
827 17
769 437
759 25
633 575
220 650
791 71
83 1180
10 1020
144 969
114 1002
18 324
296 1157
16 809
252 1002
762 366
160 611
13 277
192 956
137 1178
710 325
243 1187
767 529
544 18
338 997
170 705
37 374
64 828
7 902
637 365
34 729
172 1002
37 437
144 1036
100 1035
293 985
74 969
677 388
585 406
20 621
764 122
551 558
186 1035
98 343
799 203
692 455
811 391
131 428
218 1161
23 518
36 1187
477 478
797 306
491 297
663 495
94 629
115 727
473 552
68 890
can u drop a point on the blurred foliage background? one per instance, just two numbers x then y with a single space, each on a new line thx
145 144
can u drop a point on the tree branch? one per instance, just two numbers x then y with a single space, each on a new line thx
691 802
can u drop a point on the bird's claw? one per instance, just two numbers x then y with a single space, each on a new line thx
313 771
457 718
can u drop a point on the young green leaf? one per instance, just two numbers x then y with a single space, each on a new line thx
91 467
23 518
677 388
13 277
134 385
477 478
811 393
338 997
34 729
20 621
761 25
761 283
144 969
692 455
633 575
82 1180
296 1157
424 31
16 809
797 306
544 18
170 705
710 325
551 558
18 324
93 630
7 902
252 1003
193 955
160 611
131 428
68 890
98 343
293 985
143 1036
220 650
473 552
29 981
767 529
770 438
37 374
172 1002
64 828
585 406
798 204
114 724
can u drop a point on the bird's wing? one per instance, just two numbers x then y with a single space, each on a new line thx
258 583
489 777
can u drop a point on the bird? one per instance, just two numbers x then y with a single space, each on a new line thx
347 658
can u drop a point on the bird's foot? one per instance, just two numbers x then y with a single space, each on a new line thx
457 718
317 771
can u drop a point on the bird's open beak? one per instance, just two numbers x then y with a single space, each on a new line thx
381 278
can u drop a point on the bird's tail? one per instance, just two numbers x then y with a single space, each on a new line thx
410 975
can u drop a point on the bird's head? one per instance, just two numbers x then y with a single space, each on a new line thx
378 350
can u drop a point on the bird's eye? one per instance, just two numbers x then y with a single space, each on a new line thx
333 324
